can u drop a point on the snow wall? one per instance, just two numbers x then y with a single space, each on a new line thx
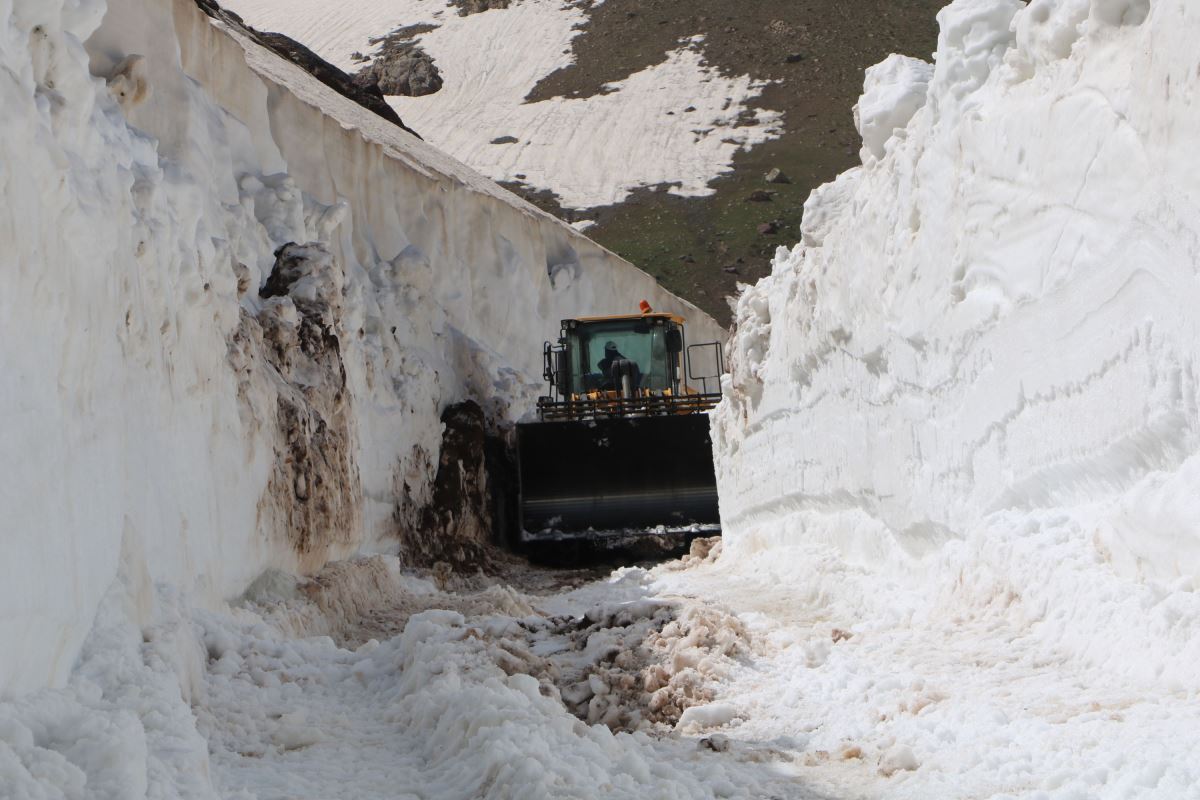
182 406
977 374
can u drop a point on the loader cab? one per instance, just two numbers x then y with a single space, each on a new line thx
652 342
658 372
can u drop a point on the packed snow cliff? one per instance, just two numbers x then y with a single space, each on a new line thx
976 376
235 306
961 428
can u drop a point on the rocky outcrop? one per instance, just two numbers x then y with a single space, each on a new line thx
466 7
468 507
365 95
400 67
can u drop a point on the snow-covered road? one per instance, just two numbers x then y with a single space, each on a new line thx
780 675
464 693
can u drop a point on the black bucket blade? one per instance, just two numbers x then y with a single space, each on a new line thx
616 475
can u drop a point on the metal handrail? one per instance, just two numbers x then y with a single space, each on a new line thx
607 407
720 362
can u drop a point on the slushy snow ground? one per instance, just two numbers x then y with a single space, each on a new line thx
589 151
942 683
366 682
259 701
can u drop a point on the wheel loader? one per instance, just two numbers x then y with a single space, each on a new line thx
621 443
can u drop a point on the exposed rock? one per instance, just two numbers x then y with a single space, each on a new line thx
319 68
412 74
776 176
467 509
794 58
760 196
506 140
768 229
466 7
401 67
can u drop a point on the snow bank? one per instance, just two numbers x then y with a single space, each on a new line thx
961 423
188 400
675 123
975 380
958 456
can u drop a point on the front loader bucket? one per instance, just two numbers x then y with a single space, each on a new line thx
606 476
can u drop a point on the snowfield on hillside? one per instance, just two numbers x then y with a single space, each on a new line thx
958 453
676 123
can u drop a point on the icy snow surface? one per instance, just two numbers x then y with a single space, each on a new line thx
588 151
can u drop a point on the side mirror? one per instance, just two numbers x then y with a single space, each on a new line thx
674 340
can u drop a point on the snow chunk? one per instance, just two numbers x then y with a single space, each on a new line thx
975 35
1120 13
1046 31
897 758
129 82
893 91
712 715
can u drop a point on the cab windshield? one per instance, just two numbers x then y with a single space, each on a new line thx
594 345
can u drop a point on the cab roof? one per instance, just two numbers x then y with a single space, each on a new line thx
630 317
